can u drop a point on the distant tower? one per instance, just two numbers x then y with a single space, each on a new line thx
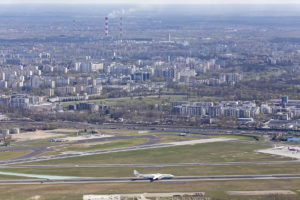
169 37
121 28
74 25
284 101
106 27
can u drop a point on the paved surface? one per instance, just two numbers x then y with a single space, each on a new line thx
160 165
176 179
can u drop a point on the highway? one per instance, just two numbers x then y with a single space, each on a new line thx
130 179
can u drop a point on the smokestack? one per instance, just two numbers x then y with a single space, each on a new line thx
121 28
106 27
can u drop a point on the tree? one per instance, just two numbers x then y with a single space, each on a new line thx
7 140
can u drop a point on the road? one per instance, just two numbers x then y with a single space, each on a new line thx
176 179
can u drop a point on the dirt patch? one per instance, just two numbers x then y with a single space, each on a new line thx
158 195
202 141
265 192
117 131
281 152
36 197
85 137
86 145
36 135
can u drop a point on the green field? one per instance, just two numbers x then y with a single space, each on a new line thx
209 152
177 171
12 154
174 135
177 137
215 189
100 145
147 100
33 143
237 137
7 177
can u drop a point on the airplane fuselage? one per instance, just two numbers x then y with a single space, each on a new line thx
153 177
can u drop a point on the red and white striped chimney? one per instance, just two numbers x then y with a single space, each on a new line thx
121 27
106 26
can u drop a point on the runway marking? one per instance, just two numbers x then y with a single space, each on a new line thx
158 165
39 176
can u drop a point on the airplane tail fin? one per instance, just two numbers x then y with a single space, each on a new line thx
136 173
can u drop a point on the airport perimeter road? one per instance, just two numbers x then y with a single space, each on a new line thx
160 165
176 179
139 147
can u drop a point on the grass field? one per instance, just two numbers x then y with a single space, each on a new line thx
33 143
238 137
12 154
147 100
6 177
209 152
100 145
177 137
177 171
214 189
49 153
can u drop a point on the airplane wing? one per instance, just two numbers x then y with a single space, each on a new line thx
156 176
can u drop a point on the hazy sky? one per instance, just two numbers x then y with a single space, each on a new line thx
155 1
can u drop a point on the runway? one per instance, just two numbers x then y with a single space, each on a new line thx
132 180
159 165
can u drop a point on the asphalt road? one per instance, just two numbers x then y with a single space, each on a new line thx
175 179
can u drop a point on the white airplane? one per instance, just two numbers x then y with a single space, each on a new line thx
153 177
278 147
294 149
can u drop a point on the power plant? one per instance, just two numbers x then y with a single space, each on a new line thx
121 28
118 28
